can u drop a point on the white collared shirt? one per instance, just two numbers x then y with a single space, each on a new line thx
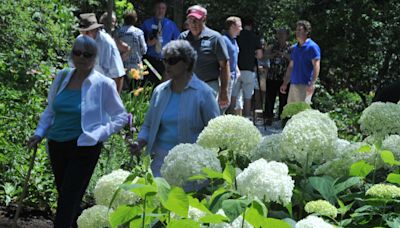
102 111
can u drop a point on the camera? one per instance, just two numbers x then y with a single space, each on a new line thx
154 32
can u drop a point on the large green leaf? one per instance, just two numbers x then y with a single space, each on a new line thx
124 214
393 178
217 198
183 223
361 169
254 217
388 158
229 174
212 174
276 223
163 188
140 189
177 202
214 218
234 207
325 186
346 184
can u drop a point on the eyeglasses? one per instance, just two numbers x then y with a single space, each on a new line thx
84 53
172 61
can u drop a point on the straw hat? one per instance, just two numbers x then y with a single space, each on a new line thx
88 22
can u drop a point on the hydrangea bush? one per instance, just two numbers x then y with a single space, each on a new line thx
313 222
237 223
309 135
234 133
381 119
321 207
186 160
266 180
96 216
107 185
384 191
392 143
269 148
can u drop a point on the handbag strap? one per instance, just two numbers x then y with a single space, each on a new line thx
63 75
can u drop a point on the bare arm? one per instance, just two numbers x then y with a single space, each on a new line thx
316 68
286 79
224 77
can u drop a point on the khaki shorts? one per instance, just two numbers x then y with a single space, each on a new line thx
297 93
246 83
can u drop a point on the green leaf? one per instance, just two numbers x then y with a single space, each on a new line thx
140 189
163 188
388 158
183 223
276 223
324 185
393 178
217 198
346 184
364 149
361 169
234 207
229 174
212 174
195 203
197 177
124 214
214 218
254 217
177 202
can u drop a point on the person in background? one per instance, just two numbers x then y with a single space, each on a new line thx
158 32
212 64
108 60
114 22
83 110
233 26
263 66
390 92
278 54
179 109
134 38
304 66
250 50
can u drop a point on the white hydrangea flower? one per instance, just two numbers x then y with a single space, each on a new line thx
381 119
340 166
321 207
341 144
269 148
266 180
313 222
234 133
186 160
309 133
108 184
96 216
237 223
385 191
392 143
195 213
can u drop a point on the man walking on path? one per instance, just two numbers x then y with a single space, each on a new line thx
158 31
212 62
250 50
108 60
304 66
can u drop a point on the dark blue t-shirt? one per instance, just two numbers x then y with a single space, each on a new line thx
233 51
302 58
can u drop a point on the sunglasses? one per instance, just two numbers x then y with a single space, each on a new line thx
172 61
80 53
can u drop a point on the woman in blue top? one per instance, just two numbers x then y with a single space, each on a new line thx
179 109
83 110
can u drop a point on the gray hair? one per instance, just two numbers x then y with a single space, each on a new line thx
87 43
183 49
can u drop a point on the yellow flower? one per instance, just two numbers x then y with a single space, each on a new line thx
138 91
135 74
145 72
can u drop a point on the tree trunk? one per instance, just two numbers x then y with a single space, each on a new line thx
178 13
110 7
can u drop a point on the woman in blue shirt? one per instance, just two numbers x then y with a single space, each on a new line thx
179 109
83 110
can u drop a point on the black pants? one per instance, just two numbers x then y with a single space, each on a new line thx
73 167
151 77
271 92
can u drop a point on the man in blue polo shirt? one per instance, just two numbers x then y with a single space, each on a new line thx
304 66
158 31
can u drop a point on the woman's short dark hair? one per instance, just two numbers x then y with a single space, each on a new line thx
283 29
182 49
130 17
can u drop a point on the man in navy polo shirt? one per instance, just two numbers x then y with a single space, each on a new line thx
158 31
212 55
304 66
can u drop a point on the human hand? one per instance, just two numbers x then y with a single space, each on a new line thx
33 141
310 88
223 100
152 42
283 88
136 148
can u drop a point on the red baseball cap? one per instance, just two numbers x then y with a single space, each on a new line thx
197 13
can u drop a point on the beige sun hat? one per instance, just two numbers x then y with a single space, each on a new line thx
88 22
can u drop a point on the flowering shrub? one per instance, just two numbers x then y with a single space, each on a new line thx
392 143
186 160
96 216
321 207
269 148
107 185
266 180
313 222
309 134
292 109
228 132
381 119
384 191
237 223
